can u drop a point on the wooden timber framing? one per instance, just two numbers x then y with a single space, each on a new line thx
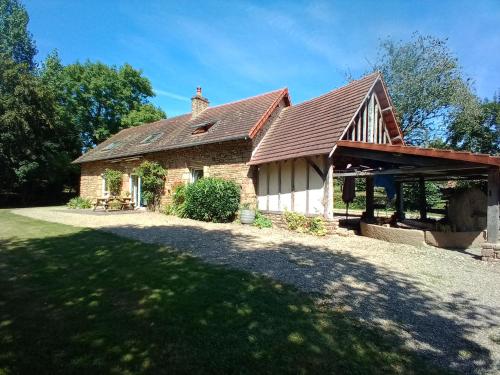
267 185
328 189
492 220
316 168
422 200
307 188
400 211
448 169
369 125
316 194
279 185
292 204
370 190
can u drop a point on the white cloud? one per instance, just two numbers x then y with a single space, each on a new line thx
171 95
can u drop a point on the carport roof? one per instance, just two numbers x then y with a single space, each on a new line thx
396 150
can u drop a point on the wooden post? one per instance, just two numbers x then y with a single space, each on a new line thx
328 191
267 186
422 200
279 186
292 205
308 167
400 211
493 211
369 197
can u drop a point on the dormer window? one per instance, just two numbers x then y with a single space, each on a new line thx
111 146
202 128
151 138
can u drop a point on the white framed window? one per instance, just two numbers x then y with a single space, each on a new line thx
196 174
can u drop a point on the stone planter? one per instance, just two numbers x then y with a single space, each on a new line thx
247 216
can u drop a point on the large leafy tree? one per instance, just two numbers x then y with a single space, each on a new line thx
427 87
481 135
144 114
32 156
94 98
16 42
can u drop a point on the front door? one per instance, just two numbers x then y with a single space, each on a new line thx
135 190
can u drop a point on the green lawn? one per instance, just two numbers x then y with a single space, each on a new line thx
74 300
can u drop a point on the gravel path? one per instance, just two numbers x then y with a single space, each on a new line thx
446 304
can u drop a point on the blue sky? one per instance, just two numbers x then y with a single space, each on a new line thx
238 49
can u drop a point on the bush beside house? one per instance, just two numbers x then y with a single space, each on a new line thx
153 179
79 202
212 199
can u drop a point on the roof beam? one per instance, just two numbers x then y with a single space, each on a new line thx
447 169
393 158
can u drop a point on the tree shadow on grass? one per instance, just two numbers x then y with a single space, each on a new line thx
80 301
441 330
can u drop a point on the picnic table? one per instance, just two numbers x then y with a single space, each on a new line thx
124 203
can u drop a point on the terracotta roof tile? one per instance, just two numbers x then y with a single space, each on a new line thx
313 127
231 121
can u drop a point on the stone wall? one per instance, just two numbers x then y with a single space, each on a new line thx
490 252
225 160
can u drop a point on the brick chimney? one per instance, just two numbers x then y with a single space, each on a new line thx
198 103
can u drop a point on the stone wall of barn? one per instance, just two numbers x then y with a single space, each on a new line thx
225 160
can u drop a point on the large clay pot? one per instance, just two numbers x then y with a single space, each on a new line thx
247 216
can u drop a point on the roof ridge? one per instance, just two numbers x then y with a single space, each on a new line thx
248 98
152 123
215 106
337 89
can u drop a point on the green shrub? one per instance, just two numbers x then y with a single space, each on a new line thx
79 202
179 201
300 223
153 179
113 181
212 199
295 221
316 226
262 221
168 209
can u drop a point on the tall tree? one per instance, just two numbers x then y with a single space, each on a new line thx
481 135
427 87
32 155
94 97
15 40
144 114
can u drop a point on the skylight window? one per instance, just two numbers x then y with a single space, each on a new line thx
151 138
202 128
111 146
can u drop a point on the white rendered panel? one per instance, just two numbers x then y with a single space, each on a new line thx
262 188
316 188
286 186
273 187
300 186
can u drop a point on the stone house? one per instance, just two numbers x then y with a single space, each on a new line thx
286 156
230 140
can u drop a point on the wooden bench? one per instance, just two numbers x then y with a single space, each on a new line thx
125 203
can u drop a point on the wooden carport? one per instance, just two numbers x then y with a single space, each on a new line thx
410 164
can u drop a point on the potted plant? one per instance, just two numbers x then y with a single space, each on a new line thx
247 214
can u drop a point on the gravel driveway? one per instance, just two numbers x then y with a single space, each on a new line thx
446 304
